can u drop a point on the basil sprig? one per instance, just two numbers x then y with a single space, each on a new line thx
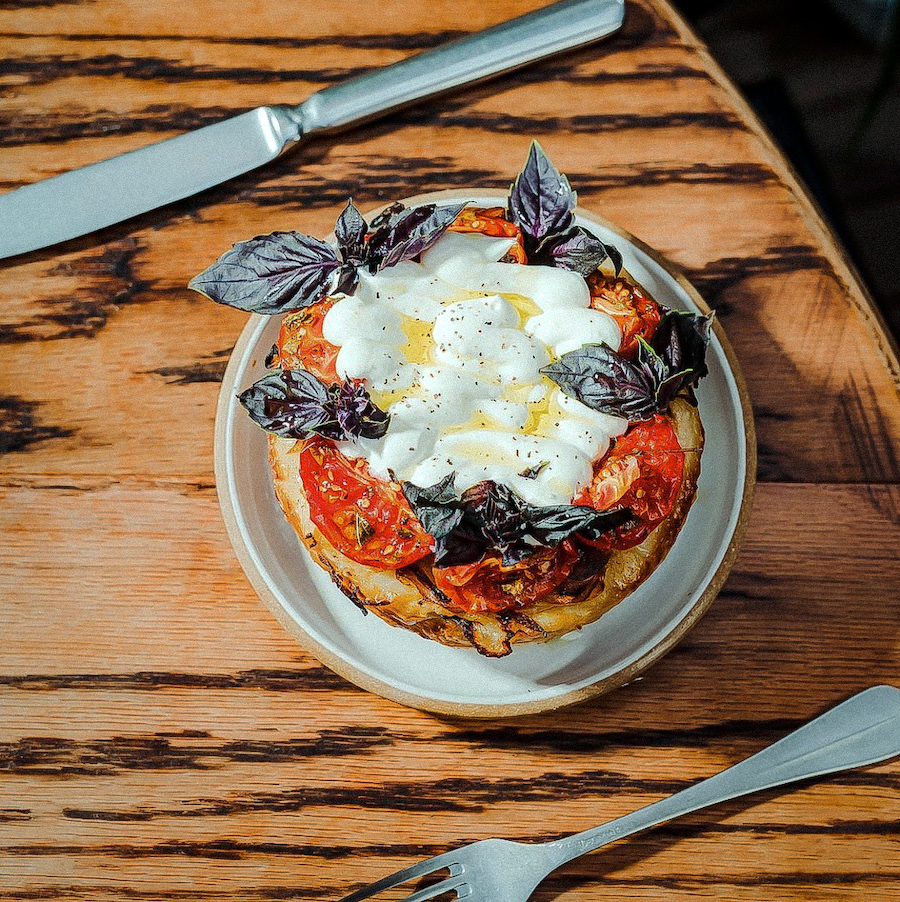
541 202
490 518
604 380
284 271
296 404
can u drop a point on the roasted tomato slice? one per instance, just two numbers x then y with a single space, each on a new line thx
643 472
489 586
629 305
301 344
365 518
490 221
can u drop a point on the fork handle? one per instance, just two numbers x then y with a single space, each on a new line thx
860 731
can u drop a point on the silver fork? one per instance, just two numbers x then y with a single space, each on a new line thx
860 731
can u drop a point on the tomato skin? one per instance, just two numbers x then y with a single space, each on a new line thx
636 313
489 586
491 221
643 471
301 345
365 518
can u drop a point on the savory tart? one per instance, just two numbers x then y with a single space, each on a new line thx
480 425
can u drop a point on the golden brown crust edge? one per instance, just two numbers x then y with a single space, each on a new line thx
408 598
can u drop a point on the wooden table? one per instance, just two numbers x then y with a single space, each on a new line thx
162 736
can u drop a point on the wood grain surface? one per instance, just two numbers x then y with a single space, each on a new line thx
161 737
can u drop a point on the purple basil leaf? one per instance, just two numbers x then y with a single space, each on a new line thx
350 231
407 233
681 339
490 518
669 387
347 279
457 526
271 274
356 414
435 505
500 513
291 403
668 381
648 360
437 509
577 250
386 215
540 200
490 522
615 255
296 404
603 380
464 544
552 525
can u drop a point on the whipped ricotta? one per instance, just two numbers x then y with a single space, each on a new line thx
452 348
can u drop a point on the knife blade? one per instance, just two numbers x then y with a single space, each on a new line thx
83 200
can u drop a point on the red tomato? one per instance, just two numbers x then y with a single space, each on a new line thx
488 585
642 471
635 311
365 518
490 221
301 344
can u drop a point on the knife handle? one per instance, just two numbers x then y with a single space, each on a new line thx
515 43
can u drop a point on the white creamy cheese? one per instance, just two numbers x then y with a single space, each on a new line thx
452 348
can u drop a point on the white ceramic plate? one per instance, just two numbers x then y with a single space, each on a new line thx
402 666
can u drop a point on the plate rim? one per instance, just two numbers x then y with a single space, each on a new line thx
224 417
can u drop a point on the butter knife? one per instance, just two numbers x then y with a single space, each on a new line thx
84 200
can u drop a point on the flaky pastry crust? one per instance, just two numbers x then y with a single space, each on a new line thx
408 597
